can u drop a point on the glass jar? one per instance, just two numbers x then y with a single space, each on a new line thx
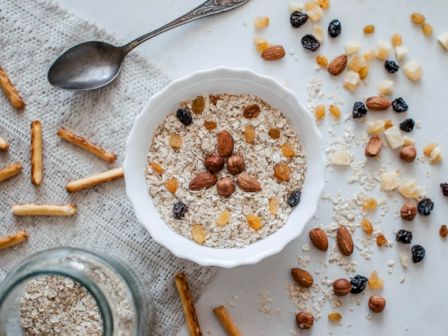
115 289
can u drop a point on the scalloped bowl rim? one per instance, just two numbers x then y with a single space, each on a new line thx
140 138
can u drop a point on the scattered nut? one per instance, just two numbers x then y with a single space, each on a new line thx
341 287
235 164
344 240
225 144
377 303
374 146
251 111
408 211
302 277
273 53
248 183
214 163
304 320
378 103
408 153
202 181
225 187
319 239
337 65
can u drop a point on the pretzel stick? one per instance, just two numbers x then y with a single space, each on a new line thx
187 304
10 91
10 170
4 146
226 321
44 210
87 145
13 239
88 182
36 152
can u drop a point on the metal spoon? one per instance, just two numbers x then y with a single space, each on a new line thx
94 64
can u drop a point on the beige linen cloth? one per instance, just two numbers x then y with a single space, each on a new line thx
32 34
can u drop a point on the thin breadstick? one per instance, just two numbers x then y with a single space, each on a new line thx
13 239
10 91
44 210
226 321
36 152
91 181
87 145
10 170
187 304
4 146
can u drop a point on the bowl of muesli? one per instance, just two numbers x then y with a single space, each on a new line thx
224 167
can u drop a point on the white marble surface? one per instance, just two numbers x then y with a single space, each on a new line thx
420 304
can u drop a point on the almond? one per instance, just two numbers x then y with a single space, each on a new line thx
273 53
319 239
225 187
225 143
304 320
202 181
214 163
374 146
248 183
337 65
344 240
377 303
235 164
378 103
251 111
302 277
408 153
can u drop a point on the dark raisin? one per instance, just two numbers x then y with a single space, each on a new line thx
298 19
358 283
391 66
444 187
407 125
184 116
179 210
404 236
334 28
294 198
309 42
418 253
359 110
425 206
399 105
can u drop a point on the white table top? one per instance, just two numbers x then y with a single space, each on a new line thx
420 304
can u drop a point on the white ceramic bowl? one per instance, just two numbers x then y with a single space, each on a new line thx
222 80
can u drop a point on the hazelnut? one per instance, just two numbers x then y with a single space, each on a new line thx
214 163
408 153
225 186
235 164
408 211
377 303
304 320
341 287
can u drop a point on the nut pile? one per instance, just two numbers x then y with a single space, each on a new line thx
233 173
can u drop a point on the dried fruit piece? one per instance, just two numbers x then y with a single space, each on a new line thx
249 134
198 233
391 66
418 253
261 22
294 198
322 61
388 124
248 183
254 222
261 44
251 111
408 141
282 172
386 87
313 10
318 33
344 240
184 116
409 189
175 141
399 105
374 146
417 18
396 40
444 188
390 180
369 55
358 283
341 287
324 4
273 53
443 231
363 72
375 127
273 206
171 185
369 29
274 133
298 19
223 218
375 282
302 277
287 150
413 70
352 47
351 81
381 240
425 206
319 112
156 168
214 163
408 211
401 52
427 29
404 236
356 62
179 210
203 180
335 111
382 50
369 204
210 124
334 28
319 239
225 144
225 187
337 65
295 6
377 303
366 225
198 105
341 158
408 153
304 320
393 137
310 43
436 155
334 316
429 148
443 39
407 125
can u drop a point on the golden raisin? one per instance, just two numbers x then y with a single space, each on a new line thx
282 172
366 225
156 168
369 29
171 185
335 111
427 29
417 18
396 40
429 148
381 240
261 44
287 150
198 233
175 141
210 124
319 112
369 204
334 316
254 222
198 105
443 231
375 282
363 72
322 61
273 206
274 133
223 218
249 134
324 4
388 124
261 22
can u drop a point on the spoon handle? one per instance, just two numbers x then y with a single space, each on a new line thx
208 8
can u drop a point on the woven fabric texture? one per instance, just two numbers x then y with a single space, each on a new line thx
32 34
